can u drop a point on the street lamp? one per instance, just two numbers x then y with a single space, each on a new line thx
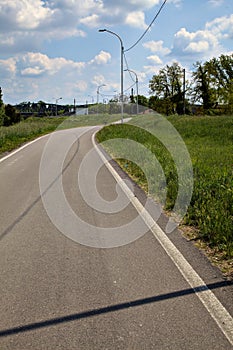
129 70
57 99
98 92
92 98
122 52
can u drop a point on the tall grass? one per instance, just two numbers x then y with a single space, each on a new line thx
15 135
210 144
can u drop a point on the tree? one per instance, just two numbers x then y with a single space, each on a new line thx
1 100
202 86
213 82
158 104
167 85
221 76
142 101
11 115
2 109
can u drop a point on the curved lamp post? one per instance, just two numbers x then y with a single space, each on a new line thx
57 99
129 70
98 93
122 52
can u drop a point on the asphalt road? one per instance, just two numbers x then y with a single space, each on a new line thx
157 292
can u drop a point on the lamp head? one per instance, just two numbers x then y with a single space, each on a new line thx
102 30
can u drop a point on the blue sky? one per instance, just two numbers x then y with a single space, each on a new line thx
51 49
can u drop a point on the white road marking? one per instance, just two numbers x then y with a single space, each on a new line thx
14 160
217 311
21 148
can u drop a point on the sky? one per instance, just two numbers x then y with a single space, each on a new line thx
53 48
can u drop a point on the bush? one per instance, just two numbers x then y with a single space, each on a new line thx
2 115
11 116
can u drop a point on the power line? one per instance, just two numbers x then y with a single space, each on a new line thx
126 63
127 66
129 88
106 95
157 14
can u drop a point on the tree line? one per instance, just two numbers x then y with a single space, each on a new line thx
210 89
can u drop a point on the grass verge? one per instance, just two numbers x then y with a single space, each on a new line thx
210 143
14 136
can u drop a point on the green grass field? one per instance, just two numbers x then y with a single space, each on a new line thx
210 143
13 136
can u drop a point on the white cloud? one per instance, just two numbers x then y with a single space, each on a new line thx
177 3
102 58
28 28
151 70
222 27
7 68
36 76
205 42
81 85
216 3
32 13
143 3
32 71
155 59
27 14
91 21
136 19
26 24
197 47
98 79
200 42
157 47
38 63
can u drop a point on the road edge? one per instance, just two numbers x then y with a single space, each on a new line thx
212 304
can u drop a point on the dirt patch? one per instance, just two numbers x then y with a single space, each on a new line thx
215 256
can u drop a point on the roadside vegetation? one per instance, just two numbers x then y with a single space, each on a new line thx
210 143
15 135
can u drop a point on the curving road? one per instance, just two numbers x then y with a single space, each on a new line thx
156 292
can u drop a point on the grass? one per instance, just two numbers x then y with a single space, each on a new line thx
13 136
210 143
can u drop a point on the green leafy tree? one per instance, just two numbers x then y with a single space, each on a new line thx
1 100
158 104
167 86
221 75
2 109
202 90
11 115
213 82
142 100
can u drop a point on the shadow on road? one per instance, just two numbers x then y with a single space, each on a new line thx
111 308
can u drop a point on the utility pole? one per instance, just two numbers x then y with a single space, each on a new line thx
129 70
57 99
184 91
86 107
98 93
